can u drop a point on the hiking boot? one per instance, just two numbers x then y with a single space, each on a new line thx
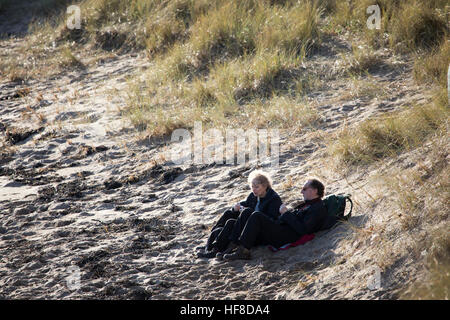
241 253
207 253
231 247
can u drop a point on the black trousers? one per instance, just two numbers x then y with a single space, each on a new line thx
228 229
261 230
228 214
223 237
239 225
219 235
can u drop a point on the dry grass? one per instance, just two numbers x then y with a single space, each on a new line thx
69 60
419 195
406 26
416 26
214 108
198 33
15 73
435 281
231 61
363 87
423 199
432 67
199 50
270 73
363 60
228 58
390 135
282 112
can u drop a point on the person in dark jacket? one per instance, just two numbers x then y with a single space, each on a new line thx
225 233
306 218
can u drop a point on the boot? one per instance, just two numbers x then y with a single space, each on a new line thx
207 253
241 253
231 247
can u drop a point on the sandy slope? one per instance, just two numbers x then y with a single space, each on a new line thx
79 191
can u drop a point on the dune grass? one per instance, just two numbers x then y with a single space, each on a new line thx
218 103
68 59
233 54
432 68
388 136
211 31
405 26
361 61
422 195
436 282
418 193
235 59
417 25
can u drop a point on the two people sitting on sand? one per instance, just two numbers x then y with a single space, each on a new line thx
225 233
237 232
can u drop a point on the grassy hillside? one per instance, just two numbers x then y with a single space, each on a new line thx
212 58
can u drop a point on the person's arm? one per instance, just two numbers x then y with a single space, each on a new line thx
296 205
237 207
273 208
294 220
243 204
247 202
314 218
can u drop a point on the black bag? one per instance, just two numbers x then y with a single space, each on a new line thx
335 204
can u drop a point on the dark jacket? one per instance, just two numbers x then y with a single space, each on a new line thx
307 218
269 205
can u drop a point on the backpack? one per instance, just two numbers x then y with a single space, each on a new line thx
335 204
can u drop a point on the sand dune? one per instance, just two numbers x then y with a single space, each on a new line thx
79 192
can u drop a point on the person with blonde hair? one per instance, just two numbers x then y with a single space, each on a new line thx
224 234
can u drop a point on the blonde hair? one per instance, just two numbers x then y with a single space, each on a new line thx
260 177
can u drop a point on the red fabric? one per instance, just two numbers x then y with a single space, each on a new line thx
303 239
